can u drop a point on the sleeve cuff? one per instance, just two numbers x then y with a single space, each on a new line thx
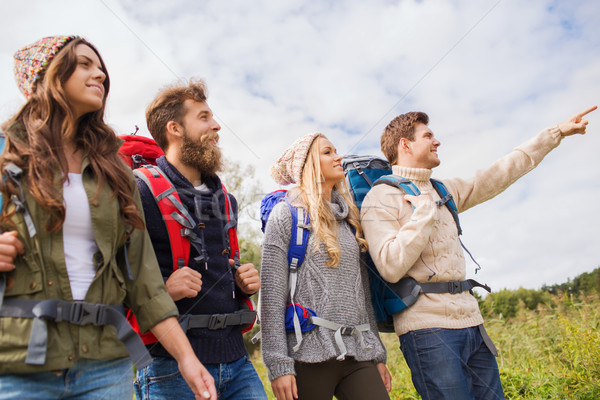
157 309
281 368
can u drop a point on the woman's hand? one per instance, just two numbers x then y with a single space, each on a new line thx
576 124
284 387
385 376
10 248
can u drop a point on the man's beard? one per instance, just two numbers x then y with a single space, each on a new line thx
203 155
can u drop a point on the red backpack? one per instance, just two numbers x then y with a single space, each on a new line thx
140 153
139 150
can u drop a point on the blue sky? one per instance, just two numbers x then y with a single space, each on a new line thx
489 73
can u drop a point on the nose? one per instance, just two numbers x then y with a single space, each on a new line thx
436 142
337 157
216 127
99 75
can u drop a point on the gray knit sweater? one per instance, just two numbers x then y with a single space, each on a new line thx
339 294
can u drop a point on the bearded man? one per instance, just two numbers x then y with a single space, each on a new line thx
206 286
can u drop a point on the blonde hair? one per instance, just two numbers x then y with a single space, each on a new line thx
323 223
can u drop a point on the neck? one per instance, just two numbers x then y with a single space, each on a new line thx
326 189
73 156
407 162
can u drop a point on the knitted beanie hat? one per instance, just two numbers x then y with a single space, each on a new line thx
288 169
32 60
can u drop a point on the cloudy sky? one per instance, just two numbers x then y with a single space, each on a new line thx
490 74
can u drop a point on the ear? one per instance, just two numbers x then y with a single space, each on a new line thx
174 129
403 145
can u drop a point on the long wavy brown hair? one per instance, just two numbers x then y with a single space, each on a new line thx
38 147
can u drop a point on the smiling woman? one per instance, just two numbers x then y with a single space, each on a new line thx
84 89
74 248
330 285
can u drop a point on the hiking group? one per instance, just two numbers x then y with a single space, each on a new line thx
102 267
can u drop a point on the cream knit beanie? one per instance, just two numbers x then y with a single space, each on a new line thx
288 169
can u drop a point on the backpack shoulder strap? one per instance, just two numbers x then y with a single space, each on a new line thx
398 182
299 236
296 254
447 200
231 228
175 215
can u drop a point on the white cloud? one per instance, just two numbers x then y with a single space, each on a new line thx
490 74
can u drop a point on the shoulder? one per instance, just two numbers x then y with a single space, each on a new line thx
221 186
278 230
380 194
281 213
279 220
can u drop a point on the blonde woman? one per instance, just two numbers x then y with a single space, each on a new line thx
342 356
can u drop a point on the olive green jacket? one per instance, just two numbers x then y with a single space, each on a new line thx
40 273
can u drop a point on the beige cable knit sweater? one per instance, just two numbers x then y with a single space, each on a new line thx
419 242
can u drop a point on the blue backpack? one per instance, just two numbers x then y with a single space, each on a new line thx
298 318
364 172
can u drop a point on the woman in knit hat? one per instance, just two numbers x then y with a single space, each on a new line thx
342 355
73 248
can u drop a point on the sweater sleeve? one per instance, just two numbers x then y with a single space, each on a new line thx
395 233
275 292
493 180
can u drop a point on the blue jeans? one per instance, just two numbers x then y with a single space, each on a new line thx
88 379
451 364
234 380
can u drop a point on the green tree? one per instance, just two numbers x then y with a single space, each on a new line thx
585 284
241 181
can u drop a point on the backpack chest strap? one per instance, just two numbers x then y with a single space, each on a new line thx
77 313
343 330
217 321
452 287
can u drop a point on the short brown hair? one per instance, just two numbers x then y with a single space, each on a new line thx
168 106
403 126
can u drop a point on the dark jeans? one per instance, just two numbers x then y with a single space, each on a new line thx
347 380
451 364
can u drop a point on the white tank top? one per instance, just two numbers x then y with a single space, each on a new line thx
78 237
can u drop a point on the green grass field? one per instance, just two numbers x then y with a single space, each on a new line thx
552 352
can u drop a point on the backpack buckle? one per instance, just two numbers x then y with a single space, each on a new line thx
347 330
217 321
455 287
85 314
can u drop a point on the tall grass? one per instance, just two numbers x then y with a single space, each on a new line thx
551 352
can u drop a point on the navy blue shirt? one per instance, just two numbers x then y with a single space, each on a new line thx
219 294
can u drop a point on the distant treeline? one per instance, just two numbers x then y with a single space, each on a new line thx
587 283
506 303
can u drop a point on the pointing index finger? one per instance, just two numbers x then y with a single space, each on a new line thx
589 110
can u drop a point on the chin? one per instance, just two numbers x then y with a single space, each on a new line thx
434 163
